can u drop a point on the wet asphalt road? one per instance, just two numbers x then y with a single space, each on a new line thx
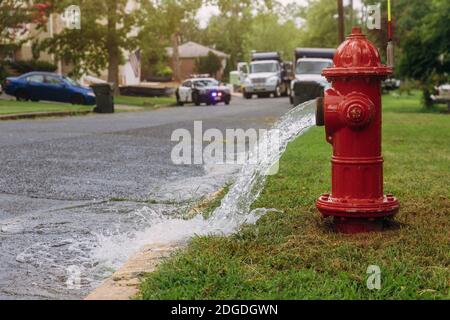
62 178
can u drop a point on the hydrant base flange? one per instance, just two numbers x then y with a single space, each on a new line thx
358 215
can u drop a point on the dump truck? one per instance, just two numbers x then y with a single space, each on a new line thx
309 82
267 75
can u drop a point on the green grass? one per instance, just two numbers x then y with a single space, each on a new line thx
16 107
146 102
295 255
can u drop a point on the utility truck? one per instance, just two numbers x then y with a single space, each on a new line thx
267 75
309 82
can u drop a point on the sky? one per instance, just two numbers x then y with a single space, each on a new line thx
206 12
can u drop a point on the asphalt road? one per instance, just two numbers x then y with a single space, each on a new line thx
64 179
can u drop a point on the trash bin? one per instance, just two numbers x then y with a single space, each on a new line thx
104 97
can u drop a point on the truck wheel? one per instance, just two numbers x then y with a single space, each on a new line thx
247 95
277 92
286 92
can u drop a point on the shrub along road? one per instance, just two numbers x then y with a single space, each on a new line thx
295 255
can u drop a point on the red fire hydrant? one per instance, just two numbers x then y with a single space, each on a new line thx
351 113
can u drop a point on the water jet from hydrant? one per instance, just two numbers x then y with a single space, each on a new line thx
235 209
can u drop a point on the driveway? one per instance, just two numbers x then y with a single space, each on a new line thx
73 190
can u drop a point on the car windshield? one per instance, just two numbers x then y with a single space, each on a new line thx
72 82
263 67
311 67
206 83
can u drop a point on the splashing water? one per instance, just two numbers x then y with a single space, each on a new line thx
234 210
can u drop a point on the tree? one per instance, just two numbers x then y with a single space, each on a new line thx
166 23
107 29
211 64
426 48
268 33
228 32
320 28
14 14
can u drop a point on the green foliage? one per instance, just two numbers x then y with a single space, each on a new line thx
3 73
229 31
106 29
426 48
320 24
159 22
268 33
13 15
18 107
211 64
25 66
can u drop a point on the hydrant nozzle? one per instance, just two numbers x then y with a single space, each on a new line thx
351 114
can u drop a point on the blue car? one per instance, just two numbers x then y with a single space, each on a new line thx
37 86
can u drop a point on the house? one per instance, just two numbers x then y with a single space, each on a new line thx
129 71
189 53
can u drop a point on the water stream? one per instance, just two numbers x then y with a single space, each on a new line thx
235 209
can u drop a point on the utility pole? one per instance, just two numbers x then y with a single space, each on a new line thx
341 20
351 13
176 56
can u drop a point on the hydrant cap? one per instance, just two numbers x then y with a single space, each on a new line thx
357 56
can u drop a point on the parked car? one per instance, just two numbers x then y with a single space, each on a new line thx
390 84
36 86
442 94
202 90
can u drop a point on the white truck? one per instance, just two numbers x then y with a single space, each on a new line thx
267 75
309 82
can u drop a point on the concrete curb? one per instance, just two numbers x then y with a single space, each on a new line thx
34 115
124 283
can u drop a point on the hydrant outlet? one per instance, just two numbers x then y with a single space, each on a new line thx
319 112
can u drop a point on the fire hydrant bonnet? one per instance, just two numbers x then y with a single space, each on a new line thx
356 56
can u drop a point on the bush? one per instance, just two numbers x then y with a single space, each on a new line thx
211 64
3 73
26 66
164 71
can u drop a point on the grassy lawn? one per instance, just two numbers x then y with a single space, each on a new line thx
144 101
295 255
16 107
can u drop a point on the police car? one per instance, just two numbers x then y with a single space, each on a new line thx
202 90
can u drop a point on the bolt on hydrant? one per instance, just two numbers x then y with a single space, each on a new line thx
351 113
